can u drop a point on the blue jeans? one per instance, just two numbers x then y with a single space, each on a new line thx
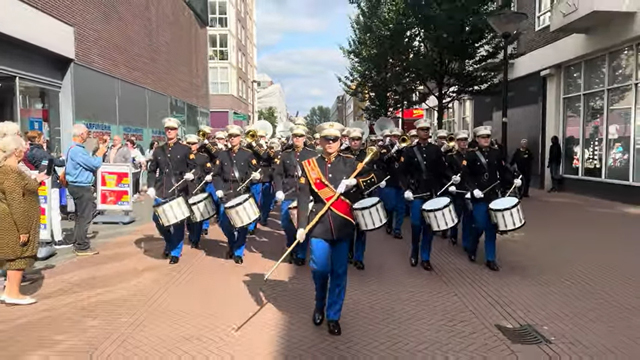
394 204
421 233
237 238
300 251
173 235
216 202
466 218
483 224
330 261
358 244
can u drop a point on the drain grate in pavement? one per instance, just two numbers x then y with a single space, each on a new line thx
523 335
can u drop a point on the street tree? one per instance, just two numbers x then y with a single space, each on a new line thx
269 114
317 115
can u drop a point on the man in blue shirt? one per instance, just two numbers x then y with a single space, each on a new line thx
80 174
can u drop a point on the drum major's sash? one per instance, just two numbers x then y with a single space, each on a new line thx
320 185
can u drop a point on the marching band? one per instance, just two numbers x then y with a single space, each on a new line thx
331 189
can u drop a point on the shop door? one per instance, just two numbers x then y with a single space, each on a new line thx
8 101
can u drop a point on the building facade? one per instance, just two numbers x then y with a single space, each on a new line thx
271 94
338 110
232 62
64 62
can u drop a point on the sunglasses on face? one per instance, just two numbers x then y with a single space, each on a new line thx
356 139
170 129
331 139
484 137
424 129
298 136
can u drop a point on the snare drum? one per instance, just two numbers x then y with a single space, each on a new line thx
242 210
507 214
172 211
440 214
370 214
202 207
293 211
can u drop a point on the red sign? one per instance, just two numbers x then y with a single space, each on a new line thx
112 179
114 197
411 113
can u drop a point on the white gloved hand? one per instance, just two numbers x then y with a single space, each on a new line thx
395 148
468 195
452 189
220 146
220 194
408 195
206 141
517 182
456 179
345 185
255 176
344 146
151 192
279 196
208 178
478 194
189 176
382 185
263 144
301 234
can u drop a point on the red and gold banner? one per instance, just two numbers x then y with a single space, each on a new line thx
320 185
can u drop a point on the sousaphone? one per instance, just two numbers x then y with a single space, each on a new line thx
383 124
265 126
362 125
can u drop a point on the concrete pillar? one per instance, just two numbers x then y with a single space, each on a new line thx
554 113
67 109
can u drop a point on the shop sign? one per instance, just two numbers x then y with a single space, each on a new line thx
136 133
98 130
44 197
35 124
411 113
240 116
114 187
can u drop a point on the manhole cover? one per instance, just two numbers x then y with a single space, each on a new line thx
523 335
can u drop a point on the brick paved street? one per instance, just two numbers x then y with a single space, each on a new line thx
572 272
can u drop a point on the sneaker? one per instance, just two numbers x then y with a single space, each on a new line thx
61 244
86 252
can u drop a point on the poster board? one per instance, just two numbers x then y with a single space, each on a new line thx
44 196
114 187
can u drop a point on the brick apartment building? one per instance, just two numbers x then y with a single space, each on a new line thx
119 66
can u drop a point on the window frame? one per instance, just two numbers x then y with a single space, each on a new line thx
218 49
218 69
540 13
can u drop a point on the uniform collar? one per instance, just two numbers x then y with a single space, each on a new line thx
330 158
298 149
235 149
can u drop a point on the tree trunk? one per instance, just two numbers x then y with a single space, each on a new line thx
441 109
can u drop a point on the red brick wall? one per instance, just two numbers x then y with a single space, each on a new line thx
157 44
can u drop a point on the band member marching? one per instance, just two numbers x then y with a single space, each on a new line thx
210 148
482 170
322 178
286 175
392 195
424 172
233 167
455 161
203 172
172 163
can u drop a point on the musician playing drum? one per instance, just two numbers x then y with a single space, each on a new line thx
172 163
286 174
483 168
233 167
423 169
322 178
203 172
210 148
454 163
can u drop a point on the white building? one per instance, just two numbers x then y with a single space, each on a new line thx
271 95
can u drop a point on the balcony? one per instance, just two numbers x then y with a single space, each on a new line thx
578 16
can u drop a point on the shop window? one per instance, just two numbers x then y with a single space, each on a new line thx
572 153
595 72
218 47
467 105
40 110
593 131
636 165
218 14
621 65
619 125
572 79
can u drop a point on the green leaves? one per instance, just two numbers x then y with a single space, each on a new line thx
316 116
269 114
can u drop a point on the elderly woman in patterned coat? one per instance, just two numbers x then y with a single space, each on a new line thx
19 216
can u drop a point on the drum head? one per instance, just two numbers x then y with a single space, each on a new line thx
504 203
236 201
436 204
197 198
366 203
294 204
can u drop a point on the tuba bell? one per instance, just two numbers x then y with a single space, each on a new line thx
202 135
251 136
403 141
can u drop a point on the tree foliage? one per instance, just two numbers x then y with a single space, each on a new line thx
317 115
269 114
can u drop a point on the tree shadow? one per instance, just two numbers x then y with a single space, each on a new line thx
34 280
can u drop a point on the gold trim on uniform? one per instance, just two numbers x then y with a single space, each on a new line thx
254 162
369 179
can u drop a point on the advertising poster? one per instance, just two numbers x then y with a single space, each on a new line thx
129 132
98 130
43 196
156 135
114 187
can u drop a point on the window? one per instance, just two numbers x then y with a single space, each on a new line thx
218 14
467 105
219 82
242 8
218 47
242 89
241 61
243 35
543 13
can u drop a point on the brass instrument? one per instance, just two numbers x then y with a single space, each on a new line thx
404 141
202 135
451 141
251 136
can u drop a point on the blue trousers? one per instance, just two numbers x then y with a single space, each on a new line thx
300 251
466 218
483 224
195 231
237 238
394 204
173 235
421 233
256 191
329 264
267 200
216 201
358 245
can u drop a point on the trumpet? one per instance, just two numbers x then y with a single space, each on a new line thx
251 136
403 141
202 135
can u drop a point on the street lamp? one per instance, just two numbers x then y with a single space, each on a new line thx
506 23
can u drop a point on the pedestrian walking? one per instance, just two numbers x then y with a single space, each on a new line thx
555 159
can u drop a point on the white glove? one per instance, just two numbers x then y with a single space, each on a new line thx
279 196
382 185
255 176
189 176
395 148
517 182
301 235
455 179
468 196
151 192
208 178
344 146
220 193
263 144
206 141
220 146
345 185
408 195
478 194
452 189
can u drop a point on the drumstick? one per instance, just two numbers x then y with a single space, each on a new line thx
491 187
199 186
513 187
445 187
246 182
181 181
378 184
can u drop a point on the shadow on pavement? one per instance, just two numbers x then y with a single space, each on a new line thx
151 246
34 279
215 248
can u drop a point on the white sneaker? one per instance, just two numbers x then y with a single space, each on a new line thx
26 301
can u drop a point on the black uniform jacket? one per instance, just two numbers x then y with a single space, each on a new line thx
391 162
479 176
455 161
523 159
232 169
288 170
375 167
203 167
428 181
332 225
169 163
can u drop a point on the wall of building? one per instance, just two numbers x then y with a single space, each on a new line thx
530 38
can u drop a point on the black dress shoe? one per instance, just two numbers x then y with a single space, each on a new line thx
238 260
493 266
252 232
166 254
350 255
318 317
389 229
300 262
444 234
174 260
205 231
195 245
291 259
426 265
397 235
454 242
471 257
229 254
334 327
358 265
414 261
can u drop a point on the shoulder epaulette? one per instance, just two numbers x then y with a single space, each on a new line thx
347 155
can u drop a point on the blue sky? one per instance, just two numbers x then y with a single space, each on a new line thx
298 47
